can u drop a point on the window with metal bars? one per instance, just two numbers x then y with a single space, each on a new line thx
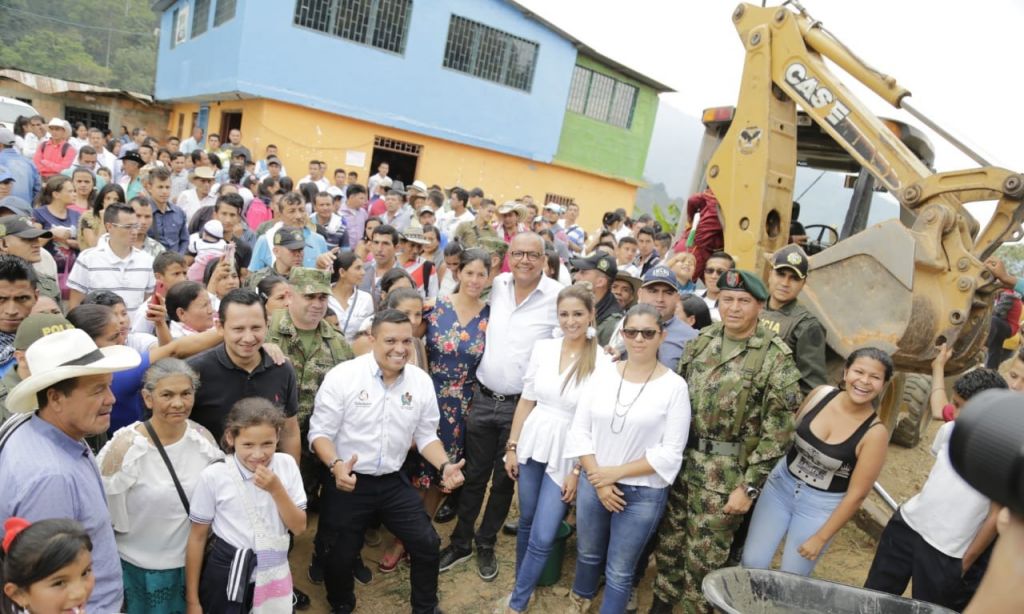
91 118
201 17
490 54
379 23
601 97
558 199
225 10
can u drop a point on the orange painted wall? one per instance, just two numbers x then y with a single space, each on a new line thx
303 134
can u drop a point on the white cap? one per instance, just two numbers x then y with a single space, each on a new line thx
215 228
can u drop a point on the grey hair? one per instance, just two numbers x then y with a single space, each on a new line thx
168 367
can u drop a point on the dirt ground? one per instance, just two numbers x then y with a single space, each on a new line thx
463 592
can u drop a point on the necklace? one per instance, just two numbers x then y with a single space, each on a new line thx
618 417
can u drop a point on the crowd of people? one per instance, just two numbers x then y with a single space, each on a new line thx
199 353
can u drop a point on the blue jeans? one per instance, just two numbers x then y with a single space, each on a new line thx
541 511
614 539
787 508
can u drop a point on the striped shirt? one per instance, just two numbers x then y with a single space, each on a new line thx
99 268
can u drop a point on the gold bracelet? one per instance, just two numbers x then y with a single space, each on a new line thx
511 446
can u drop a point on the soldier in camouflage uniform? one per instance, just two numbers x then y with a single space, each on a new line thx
20 237
31 329
289 247
787 318
313 346
743 390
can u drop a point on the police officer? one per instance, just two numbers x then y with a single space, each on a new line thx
20 237
743 390
785 316
600 270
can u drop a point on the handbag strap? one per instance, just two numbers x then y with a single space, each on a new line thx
167 463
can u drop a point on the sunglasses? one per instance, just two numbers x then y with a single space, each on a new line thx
716 271
648 333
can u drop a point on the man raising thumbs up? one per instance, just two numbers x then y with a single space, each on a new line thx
367 411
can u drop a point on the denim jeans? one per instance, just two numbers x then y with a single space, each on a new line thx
541 511
787 508
615 539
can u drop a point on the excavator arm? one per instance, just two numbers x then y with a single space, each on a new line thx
900 288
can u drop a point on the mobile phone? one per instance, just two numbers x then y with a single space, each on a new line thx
158 292
229 253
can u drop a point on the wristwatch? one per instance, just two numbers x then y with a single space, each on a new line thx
753 493
511 446
330 465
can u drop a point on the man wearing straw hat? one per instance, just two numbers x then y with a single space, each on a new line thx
46 469
422 271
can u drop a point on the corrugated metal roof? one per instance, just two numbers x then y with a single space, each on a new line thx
52 85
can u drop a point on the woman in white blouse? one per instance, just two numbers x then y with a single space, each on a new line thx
351 304
149 513
629 431
535 449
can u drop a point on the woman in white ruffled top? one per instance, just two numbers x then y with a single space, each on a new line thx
150 518
534 453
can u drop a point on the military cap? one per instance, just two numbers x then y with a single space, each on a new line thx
599 261
310 281
21 227
493 245
744 281
37 326
289 238
791 257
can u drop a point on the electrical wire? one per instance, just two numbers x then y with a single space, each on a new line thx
72 23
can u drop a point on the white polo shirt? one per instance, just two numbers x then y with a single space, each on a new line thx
99 268
217 500
513 329
190 202
362 416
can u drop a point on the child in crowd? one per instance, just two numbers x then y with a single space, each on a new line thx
210 240
47 567
941 538
682 265
252 501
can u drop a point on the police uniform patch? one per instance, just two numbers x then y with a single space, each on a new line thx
794 258
602 265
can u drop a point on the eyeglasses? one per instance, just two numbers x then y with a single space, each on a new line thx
531 256
716 271
648 333
128 226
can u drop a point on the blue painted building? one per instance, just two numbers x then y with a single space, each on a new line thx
473 89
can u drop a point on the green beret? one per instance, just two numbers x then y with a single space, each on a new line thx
745 281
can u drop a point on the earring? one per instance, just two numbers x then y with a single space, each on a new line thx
591 332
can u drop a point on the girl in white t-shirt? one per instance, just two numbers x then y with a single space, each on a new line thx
251 501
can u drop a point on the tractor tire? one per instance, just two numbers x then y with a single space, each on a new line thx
915 413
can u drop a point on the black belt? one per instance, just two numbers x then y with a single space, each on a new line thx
716 448
501 398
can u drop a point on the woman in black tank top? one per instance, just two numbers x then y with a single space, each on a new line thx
837 453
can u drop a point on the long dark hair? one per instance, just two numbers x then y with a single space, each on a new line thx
695 306
39 551
101 194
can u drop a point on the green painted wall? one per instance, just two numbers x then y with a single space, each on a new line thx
604 148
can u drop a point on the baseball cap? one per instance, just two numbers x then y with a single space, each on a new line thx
6 136
791 257
310 281
21 226
57 122
289 238
37 326
17 205
599 261
273 160
660 274
744 281
426 209
5 175
133 156
553 207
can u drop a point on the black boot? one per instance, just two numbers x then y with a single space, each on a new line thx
660 607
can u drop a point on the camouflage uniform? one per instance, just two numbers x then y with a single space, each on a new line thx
805 336
310 369
7 382
47 286
469 234
695 536
254 278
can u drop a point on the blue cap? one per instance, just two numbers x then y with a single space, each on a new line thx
660 274
5 175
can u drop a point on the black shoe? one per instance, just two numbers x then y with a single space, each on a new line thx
342 609
315 572
511 527
660 607
445 513
300 600
486 563
452 556
362 573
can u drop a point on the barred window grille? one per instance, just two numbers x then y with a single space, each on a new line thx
558 199
201 17
601 97
389 144
225 10
90 117
488 53
379 23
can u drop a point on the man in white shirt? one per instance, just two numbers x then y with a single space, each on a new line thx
316 175
523 310
193 142
114 264
382 174
365 414
340 184
199 195
449 223
103 157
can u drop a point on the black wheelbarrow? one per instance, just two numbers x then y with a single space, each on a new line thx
735 590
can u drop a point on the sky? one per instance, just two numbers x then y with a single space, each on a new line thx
956 58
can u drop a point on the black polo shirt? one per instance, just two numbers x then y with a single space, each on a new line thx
222 383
